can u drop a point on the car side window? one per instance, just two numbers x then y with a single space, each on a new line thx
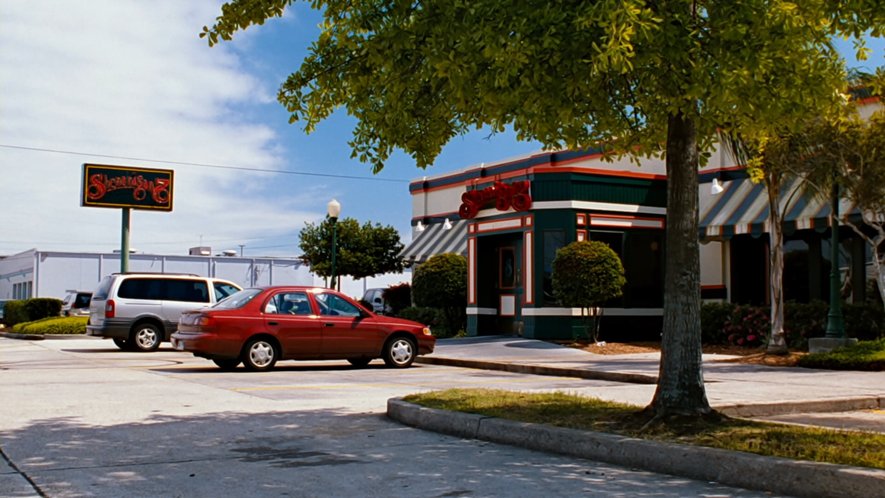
289 303
332 305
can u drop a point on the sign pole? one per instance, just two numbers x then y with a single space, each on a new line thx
124 242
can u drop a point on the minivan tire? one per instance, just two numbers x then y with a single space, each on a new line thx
145 337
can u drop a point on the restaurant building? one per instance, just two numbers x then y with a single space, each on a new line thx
509 218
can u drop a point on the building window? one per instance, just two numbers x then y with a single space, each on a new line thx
553 241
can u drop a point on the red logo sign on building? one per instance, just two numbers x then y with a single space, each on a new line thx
504 195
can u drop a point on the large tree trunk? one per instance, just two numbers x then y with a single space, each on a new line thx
777 343
680 388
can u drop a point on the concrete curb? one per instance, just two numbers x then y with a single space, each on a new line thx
804 406
744 470
40 337
580 373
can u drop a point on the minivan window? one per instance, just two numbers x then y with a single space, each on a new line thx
194 291
223 290
103 288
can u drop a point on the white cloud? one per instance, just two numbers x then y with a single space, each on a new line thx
130 78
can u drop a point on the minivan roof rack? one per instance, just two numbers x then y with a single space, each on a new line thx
156 273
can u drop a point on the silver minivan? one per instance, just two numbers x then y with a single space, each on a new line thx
141 310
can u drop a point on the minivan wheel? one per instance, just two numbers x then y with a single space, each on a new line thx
399 352
260 355
121 343
146 337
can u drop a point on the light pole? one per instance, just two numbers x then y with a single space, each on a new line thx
835 324
333 209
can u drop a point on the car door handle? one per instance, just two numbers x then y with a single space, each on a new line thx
330 324
272 323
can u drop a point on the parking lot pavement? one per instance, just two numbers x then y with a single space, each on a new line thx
81 418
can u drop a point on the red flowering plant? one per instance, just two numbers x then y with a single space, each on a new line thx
747 327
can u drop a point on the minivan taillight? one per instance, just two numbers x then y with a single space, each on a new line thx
109 309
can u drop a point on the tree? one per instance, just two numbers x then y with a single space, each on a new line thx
586 274
441 282
633 76
361 251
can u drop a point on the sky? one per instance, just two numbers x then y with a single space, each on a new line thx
129 82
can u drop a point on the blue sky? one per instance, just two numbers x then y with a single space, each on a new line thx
131 80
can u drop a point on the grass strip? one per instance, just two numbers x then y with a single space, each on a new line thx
865 355
860 449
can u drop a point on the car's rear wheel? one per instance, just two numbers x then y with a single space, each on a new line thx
400 352
121 343
145 337
359 362
260 355
227 364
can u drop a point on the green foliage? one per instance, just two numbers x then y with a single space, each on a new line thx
865 355
586 274
441 282
361 251
53 325
432 317
398 297
802 321
862 449
28 310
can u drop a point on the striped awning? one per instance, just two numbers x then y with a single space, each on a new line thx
435 239
742 208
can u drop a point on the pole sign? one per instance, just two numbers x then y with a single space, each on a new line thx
126 187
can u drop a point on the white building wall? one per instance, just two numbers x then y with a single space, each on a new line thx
54 273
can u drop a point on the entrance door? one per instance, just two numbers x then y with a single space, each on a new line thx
499 283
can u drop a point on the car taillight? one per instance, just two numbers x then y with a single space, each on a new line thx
110 309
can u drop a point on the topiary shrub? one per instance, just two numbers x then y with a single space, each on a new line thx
398 297
441 282
586 274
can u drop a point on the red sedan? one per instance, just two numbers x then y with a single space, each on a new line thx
260 326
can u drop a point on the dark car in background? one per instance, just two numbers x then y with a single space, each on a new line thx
259 326
76 303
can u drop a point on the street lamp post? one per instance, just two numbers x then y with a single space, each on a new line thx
835 325
333 209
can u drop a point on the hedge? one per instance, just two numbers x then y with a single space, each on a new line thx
67 325
29 310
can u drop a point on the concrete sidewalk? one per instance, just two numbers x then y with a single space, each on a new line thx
732 388
735 389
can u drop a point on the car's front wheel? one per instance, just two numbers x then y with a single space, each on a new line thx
260 355
146 337
400 352
227 364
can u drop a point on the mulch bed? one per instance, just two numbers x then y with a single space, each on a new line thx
736 354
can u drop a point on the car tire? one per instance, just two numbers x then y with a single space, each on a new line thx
121 343
146 337
359 362
400 352
227 364
260 355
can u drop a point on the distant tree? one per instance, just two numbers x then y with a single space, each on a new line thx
361 251
441 282
637 77
586 274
